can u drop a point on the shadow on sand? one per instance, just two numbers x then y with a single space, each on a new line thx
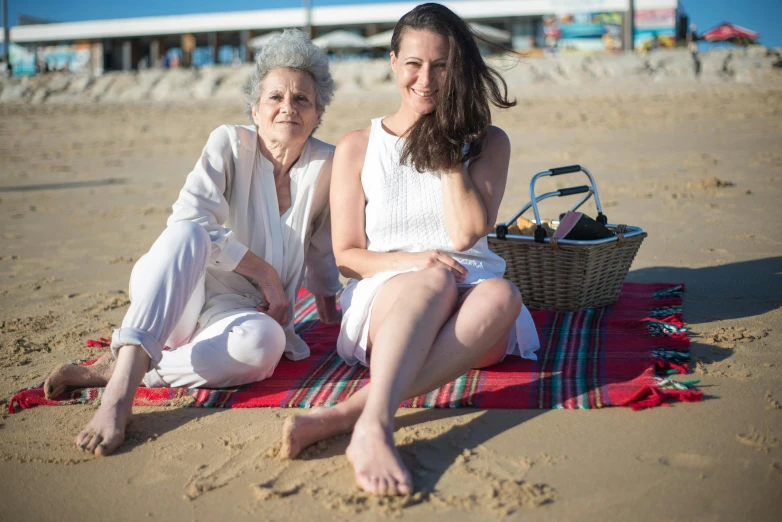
67 185
428 458
730 291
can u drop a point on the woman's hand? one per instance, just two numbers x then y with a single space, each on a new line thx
276 306
435 258
327 309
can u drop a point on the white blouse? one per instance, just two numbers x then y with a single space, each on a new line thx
231 193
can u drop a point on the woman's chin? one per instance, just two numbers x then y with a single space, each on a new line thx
289 135
422 109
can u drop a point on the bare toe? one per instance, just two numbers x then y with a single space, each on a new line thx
365 483
84 439
107 447
404 485
384 486
96 439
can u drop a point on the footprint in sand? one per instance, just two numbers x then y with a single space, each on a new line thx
29 324
771 403
762 441
734 334
208 477
270 490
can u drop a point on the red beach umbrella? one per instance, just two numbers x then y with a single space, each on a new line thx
727 32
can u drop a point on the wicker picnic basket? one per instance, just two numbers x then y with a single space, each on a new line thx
566 275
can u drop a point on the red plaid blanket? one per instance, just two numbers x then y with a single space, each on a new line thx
620 355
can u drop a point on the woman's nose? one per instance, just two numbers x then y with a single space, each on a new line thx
287 106
425 78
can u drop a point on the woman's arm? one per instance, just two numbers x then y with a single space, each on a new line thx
322 276
348 224
202 199
472 196
327 309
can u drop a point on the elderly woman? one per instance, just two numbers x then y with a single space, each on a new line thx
219 284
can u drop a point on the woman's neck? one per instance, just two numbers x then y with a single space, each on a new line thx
401 121
282 156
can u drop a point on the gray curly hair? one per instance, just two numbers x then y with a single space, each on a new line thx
291 50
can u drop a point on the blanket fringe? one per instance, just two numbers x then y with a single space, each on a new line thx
668 367
651 396
663 392
102 342
667 361
24 400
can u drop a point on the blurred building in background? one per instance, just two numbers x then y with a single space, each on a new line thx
544 27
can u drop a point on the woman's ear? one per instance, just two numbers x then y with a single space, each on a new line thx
254 112
393 62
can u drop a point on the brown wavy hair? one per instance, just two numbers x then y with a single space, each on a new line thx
456 130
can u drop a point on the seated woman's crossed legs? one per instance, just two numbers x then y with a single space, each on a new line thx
237 347
422 335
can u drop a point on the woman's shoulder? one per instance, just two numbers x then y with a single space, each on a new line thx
355 141
496 134
496 140
320 149
227 136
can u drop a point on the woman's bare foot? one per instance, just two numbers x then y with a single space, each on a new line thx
376 462
106 431
302 431
67 376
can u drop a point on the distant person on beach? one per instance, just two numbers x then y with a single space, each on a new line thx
219 285
413 197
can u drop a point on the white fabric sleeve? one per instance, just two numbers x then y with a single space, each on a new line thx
322 273
203 201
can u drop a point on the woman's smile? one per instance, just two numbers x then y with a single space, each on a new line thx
423 93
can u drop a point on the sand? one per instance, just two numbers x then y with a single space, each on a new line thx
85 189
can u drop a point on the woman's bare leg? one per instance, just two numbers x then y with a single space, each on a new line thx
473 337
401 345
106 431
163 283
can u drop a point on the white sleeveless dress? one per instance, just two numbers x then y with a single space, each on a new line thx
404 213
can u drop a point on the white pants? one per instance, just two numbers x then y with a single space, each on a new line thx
167 293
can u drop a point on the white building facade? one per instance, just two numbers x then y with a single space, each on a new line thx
545 26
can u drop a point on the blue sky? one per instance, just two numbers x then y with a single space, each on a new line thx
764 16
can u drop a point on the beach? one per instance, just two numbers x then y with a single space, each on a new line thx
87 187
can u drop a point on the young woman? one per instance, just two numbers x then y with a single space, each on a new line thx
413 197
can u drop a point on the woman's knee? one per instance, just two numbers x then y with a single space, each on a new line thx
504 299
438 281
186 235
258 343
